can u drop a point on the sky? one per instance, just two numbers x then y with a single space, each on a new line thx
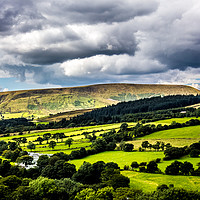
62 43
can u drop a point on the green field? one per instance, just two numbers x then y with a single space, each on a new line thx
149 182
120 157
177 142
145 181
21 114
126 158
186 132
74 133
178 120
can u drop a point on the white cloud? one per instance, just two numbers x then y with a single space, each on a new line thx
84 42
5 89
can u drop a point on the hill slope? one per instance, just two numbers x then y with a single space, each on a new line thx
45 101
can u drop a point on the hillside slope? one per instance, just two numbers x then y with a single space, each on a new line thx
56 100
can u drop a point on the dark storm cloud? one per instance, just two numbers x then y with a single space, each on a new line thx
18 15
181 59
104 11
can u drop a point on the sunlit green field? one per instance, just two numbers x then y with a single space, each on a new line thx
120 157
186 132
126 158
145 181
149 182
74 133
178 120
177 142
22 114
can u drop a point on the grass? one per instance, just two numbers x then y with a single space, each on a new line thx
178 120
74 133
120 157
46 101
126 158
177 142
186 132
21 114
149 182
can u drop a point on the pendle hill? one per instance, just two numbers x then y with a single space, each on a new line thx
51 101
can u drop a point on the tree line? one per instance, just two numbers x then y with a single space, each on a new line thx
145 110
136 110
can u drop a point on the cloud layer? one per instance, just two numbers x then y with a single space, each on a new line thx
71 42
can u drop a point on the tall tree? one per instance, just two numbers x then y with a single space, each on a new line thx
31 146
69 142
47 136
52 144
26 160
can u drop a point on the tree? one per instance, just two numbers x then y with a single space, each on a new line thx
194 153
12 145
99 145
162 146
18 140
113 178
85 174
86 194
156 146
61 136
23 193
145 144
63 169
187 168
44 188
123 127
152 167
174 168
52 144
56 136
105 193
134 164
47 136
11 181
24 140
67 188
128 147
69 142
40 140
122 144
42 161
126 193
26 160
31 146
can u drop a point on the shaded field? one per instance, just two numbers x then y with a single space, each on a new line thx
66 115
149 182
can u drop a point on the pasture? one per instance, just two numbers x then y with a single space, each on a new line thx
149 182
186 132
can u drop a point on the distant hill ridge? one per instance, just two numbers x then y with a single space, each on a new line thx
56 100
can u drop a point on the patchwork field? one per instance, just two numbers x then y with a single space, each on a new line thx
145 181
186 132
149 182
126 158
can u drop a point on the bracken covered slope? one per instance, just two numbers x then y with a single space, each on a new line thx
56 100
